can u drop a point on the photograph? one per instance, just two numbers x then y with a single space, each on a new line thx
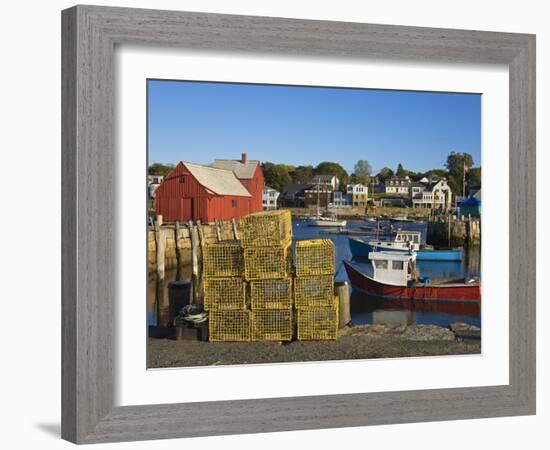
290 224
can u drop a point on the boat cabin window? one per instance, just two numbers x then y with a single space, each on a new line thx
397 265
381 263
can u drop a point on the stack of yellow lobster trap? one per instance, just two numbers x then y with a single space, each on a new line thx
248 287
316 305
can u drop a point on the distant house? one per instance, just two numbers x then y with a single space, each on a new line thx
153 182
341 200
270 197
250 174
197 192
398 185
326 180
294 195
433 194
359 195
318 195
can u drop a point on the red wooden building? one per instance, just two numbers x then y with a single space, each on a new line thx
249 172
205 193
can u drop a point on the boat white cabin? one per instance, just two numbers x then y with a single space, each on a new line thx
403 241
393 268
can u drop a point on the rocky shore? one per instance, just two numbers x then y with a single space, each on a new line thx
355 342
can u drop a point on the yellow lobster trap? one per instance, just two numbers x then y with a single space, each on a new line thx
314 257
222 294
314 291
318 323
223 260
272 325
229 326
262 263
267 228
271 294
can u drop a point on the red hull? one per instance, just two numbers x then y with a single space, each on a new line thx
452 299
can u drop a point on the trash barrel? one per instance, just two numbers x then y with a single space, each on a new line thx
179 295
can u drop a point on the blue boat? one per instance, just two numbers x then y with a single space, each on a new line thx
361 249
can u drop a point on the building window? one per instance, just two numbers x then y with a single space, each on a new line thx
181 179
233 203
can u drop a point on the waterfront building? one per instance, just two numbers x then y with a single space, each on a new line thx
433 194
341 200
359 195
318 195
153 182
326 180
398 185
294 195
249 172
198 192
270 197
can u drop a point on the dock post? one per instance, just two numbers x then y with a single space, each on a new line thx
341 289
161 246
235 232
176 237
193 235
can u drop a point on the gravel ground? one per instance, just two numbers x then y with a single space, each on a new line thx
357 342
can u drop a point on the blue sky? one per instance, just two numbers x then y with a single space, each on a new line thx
199 122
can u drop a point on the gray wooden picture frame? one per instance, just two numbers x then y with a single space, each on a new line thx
90 34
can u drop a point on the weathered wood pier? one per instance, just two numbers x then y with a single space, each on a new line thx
175 245
453 231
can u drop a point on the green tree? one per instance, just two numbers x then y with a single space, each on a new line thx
302 174
436 173
332 168
456 162
384 174
276 176
363 169
473 177
160 169
400 172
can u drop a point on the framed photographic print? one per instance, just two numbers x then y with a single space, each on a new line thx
287 216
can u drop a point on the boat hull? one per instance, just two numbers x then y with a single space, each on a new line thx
326 223
361 249
451 299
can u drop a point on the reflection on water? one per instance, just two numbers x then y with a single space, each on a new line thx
363 308
158 311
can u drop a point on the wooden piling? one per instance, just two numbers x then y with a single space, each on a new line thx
193 235
235 231
341 289
161 246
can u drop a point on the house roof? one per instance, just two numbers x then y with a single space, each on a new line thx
293 189
242 170
323 178
217 181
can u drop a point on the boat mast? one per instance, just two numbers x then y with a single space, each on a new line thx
318 205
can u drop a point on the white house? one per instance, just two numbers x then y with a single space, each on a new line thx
434 195
398 185
341 200
326 180
359 194
153 182
269 198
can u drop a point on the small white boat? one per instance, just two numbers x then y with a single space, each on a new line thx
327 219
320 221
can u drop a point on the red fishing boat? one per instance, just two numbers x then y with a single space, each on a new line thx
396 281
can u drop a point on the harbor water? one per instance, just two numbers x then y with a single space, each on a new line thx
364 310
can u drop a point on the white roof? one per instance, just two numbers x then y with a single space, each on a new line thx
395 256
218 181
244 171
